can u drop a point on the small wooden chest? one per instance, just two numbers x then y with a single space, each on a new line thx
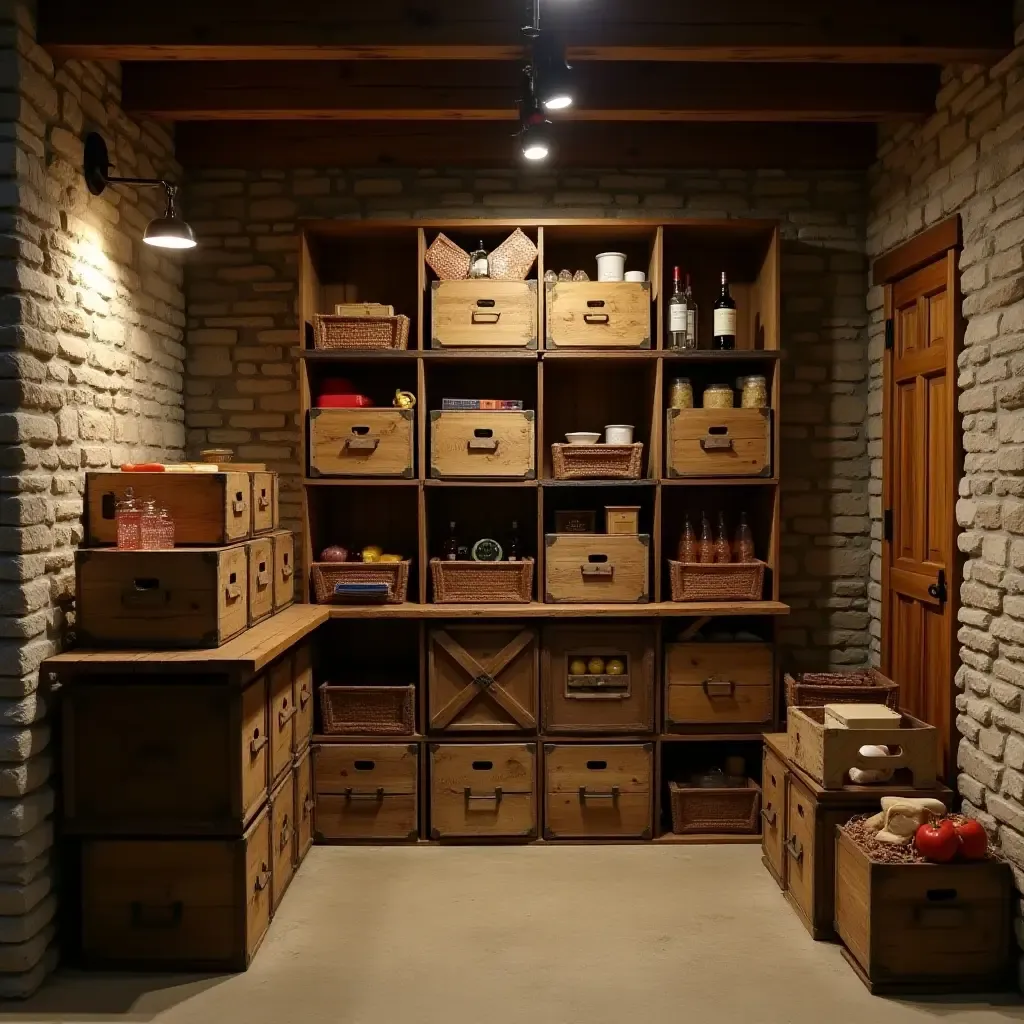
718 442
265 514
598 314
483 314
199 904
281 711
482 444
303 806
208 508
773 815
282 838
284 568
622 519
598 791
187 598
719 684
596 568
302 685
361 442
261 579
483 790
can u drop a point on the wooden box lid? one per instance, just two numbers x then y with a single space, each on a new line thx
860 716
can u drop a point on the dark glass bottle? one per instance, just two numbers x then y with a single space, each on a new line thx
515 547
725 318
451 545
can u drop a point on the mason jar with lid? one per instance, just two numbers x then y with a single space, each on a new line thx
718 396
754 392
681 395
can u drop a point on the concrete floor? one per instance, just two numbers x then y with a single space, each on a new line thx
519 935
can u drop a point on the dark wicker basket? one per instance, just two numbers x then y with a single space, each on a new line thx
379 710
327 575
597 461
373 332
733 809
816 689
482 582
728 581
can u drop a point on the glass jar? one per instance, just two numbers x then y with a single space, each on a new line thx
754 393
718 396
681 395
149 526
128 517
166 529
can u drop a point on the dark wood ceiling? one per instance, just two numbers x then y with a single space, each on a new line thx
416 83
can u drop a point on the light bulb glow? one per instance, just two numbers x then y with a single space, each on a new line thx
560 101
170 242
536 151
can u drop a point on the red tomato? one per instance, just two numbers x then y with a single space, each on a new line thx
937 841
973 840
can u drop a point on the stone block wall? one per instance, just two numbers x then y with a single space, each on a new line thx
91 362
242 336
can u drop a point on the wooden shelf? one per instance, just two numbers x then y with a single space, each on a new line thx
708 839
360 481
712 737
469 355
720 481
707 355
599 483
537 610
479 482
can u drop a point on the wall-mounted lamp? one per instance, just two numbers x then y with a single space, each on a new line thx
166 232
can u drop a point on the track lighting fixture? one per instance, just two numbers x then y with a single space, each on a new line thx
552 74
533 126
547 86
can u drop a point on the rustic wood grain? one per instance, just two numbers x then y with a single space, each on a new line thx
728 684
571 575
598 314
485 313
341 442
692 436
467 444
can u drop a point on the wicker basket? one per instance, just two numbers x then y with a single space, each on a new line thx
482 582
373 332
730 581
735 809
816 689
327 575
597 461
446 259
381 710
513 259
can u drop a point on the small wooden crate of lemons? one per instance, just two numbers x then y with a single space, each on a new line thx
596 674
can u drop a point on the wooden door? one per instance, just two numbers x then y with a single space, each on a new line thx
921 570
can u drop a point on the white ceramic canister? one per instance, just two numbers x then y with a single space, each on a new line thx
611 266
635 276
618 433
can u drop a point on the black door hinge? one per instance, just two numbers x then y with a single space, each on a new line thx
887 525
890 334
938 588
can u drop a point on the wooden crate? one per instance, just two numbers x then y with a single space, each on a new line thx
923 927
483 314
467 444
265 509
718 442
197 904
482 678
284 568
827 754
208 508
598 314
596 568
188 598
598 704
483 790
304 805
305 703
773 815
719 684
281 712
361 442
622 519
282 838
261 578
598 790
366 791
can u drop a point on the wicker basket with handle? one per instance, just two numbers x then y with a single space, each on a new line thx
380 710
328 575
733 809
482 582
512 260
446 259
372 332
816 689
597 461
728 581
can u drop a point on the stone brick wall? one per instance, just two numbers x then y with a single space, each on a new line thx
242 337
91 361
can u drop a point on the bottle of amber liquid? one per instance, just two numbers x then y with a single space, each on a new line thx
723 549
707 541
744 541
687 543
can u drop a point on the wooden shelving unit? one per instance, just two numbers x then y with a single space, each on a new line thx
583 388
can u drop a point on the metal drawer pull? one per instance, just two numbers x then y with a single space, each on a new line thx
719 687
769 815
595 318
164 916
795 848
258 743
363 794
304 697
232 592
483 440
717 439
284 717
495 796
361 444
596 794
262 879
485 318
597 565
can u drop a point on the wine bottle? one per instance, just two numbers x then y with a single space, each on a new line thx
688 543
678 314
723 550
451 545
479 265
515 551
691 315
725 318
707 541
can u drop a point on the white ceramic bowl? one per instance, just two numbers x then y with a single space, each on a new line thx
583 437
611 266
618 433
636 276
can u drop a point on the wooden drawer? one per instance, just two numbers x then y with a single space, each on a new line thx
718 442
598 791
597 568
800 850
598 314
302 677
208 508
182 598
303 806
282 838
718 684
483 314
265 516
281 713
361 442
773 815
261 579
151 759
482 444
366 791
201 904
284 568
483 790
599 703
482 678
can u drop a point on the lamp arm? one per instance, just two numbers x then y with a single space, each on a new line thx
155 182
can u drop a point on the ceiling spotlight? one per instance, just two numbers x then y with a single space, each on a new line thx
534 140
553 75
533 126
166 232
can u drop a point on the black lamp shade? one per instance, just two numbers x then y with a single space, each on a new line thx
169 233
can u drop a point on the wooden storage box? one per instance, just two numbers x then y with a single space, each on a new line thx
281 711
197 904
265 509
718 442
381 710
816 689
498 444
261 579
165 757
599 791
723 685
728 810
483 790
284 568
595 568
482 678
208 508
366 791
598 314
482 582
730 581
483 314
188 598
773 815
622 519
827 754
302 687
361 442
282 838
923 927
598 703
304 805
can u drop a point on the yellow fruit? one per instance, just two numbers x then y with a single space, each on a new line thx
615 667
577 667
596 666
390 558
372 553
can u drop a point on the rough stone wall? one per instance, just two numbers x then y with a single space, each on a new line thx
241 374
91 361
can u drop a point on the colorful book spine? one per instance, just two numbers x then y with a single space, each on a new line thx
491 404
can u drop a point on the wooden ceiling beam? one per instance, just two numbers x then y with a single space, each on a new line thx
477 91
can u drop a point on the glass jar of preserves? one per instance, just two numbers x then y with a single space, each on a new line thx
128 517
718 396
681 395
754 393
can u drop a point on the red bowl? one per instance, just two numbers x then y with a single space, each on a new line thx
336 386
343 402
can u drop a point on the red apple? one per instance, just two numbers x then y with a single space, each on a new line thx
973 840
937 841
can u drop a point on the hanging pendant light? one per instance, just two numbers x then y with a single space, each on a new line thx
552 74
534 136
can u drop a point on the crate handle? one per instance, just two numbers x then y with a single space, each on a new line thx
485 318
286 832
597 565
483 440
495 796
232 591
284 717
362 442
239 504
948 916
713 687
371 794
262 879
595 303
164 916
795 848
286 568
264 499
258 743
596 318
770 816
364 766
596 766
716 440
596 794
486 303
145 593
307 805
262 576
304 695
108 505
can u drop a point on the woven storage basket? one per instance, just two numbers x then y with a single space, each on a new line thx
729 809
512 260
327 575
730 581
597 461
816 689
382 710
331 332
482 582
446 259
